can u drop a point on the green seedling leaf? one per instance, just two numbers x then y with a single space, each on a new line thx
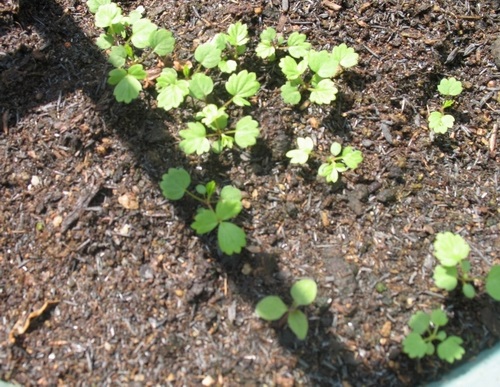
162 42
200 86
204 221
227 209
445 277
447 103
118 56
441 335
208 55
324 92
493 283
329 172
415 346
430 349
420 322
439 318
237 34
95 4
246 132
142 32
304 292
220 41
301 155
450 86
469 291
108 14
105 41
345 56
440 123
451 349
223 142
210 187
134 16
465 265
450 249
171 90
323 64
352 158
290 93
194 139
291 68
231 238
268 35
127 83
174 183
297 321
213 117
335 149
297 45
271 308
241 86
230 194
227 66
201 189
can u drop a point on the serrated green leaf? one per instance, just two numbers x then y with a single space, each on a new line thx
195 139
304 292
297 321
116 75
200 86
414 346
237 34
108 14
171 90
265 50
450 86
214 117
291 68
441 335
290 93
440 123
208 55
451 349
142 31
230 194
450 248
118 56
324 93
231 238
352 158
137 71
227 66
301 155
469 291
204 221
246 132
241 86
219 40
439 318
127 87
493 283
162 42
419 322
323 64
297 45
345 56
174 183
271 308
268 35
95 4
105 41
446 277
229 204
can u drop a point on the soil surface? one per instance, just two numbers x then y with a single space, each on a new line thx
122 291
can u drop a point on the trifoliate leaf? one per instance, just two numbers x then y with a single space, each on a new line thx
301 155
291 68
237 34
445 277
105 41
227 66
208 55
200 86
322 63
231 238
137 71
414 346
352 158
174 183
141 33
107 15
271 308
329 172
451 349
204 221
297 321
171 90
304 292
241 86
290 93
440 123
95 4
246 132
419 322
195 139
345 56
450 86
127 85
297 45
439 318
162 42
118 56
324 93
450 248
468 291
493 283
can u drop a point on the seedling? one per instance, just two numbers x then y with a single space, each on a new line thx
231 238
301 154
426 329
341 160
451 250
440 122
272 308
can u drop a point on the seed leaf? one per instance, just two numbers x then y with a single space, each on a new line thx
297 321
271 308
304 292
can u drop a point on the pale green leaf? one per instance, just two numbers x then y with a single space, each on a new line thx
439 318
200 86
493 283
208 55
414 346
297 45
469 291
291 68
450 248
304 292
105 41
107 15
345 56
450 86
141 33
445 277
297 321
246 132
440 123
271 308
324 93
329 172
174 183
290 93
241 86
352 158
231 238
227 66
335 148
162 42
237 34
95 4
419 322
194 139
323 64
118 56
451 349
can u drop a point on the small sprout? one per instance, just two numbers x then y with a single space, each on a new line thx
272 308
340 161
301 154
438 121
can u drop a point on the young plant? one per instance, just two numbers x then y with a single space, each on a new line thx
340 161
301 154
451 250
440 122
216 214
272 308
426 329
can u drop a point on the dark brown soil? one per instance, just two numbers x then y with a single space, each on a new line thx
141 299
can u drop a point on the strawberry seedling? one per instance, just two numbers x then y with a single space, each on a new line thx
440 122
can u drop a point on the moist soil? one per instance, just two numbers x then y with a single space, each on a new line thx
103 281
